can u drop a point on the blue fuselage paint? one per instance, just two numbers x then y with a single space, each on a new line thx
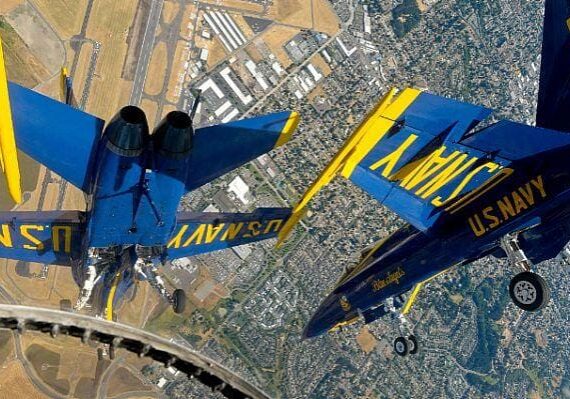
534 200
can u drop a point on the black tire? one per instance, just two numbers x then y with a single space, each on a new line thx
401 346
179 301
412 345
529 291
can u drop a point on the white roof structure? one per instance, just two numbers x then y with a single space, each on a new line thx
240 189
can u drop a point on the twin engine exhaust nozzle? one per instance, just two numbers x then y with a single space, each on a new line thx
128 134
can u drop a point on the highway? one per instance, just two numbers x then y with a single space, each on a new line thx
119 336
146 51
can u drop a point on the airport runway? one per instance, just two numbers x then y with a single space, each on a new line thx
146 51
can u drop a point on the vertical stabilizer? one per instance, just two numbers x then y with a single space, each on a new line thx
554 92
67 93
9 156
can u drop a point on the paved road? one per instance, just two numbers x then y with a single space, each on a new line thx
146 51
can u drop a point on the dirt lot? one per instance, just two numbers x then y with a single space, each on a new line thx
22 65
38 36
366 341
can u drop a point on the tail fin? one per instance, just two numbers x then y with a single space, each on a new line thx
8 154
554 91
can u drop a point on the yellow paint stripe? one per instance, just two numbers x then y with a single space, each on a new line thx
348 322
469 198
372 129
7 140
63 82
111 297
412 298
290 127
568 23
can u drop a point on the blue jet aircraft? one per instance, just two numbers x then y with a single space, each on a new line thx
133 182
465 192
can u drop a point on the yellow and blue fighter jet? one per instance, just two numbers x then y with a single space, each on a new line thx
465 192
133 181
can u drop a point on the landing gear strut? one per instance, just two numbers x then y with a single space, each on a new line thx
404 346
146 267
528 290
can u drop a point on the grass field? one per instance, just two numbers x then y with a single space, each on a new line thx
150 109
46 365
14 383
8 5
65 16
177 69
109 24
169 11
242 5
326 20
123 382
157 70
292 12
275 37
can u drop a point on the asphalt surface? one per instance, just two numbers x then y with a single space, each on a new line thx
146 51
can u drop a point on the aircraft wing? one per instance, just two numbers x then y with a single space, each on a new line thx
554 89
52 237
221 148
56 135
419 155
201 232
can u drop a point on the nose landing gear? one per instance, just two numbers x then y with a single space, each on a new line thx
527 290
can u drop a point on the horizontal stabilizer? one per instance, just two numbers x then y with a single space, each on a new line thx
52 237
221 148
56 135
405 155
201 232
554 89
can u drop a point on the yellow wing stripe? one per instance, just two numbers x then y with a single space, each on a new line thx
377 123
288 130
8 151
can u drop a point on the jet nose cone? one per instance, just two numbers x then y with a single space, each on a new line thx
327 316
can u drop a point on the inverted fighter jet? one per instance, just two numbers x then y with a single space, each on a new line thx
133 180
501 190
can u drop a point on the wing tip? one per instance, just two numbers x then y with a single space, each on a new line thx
289 128
7 140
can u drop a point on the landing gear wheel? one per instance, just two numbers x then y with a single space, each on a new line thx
401 346
178 301
529 291
413 345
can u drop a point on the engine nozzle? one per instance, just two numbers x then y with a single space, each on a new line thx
128 132
173 136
